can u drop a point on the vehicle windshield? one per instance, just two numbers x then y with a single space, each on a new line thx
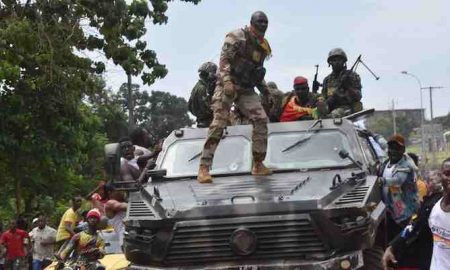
307 150
233 155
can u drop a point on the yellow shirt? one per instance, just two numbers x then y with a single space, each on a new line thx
71 217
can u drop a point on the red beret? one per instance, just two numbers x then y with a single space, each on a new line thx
300 80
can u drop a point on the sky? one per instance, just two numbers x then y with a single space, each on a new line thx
391 36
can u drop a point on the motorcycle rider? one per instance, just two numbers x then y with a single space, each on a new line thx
88 245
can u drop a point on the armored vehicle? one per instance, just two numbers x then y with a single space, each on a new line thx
319 210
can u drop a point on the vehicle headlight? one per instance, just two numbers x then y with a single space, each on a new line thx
243 241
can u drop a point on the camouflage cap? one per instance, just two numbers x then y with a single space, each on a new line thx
208 67
337 52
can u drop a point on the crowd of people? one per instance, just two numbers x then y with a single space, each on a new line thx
79 232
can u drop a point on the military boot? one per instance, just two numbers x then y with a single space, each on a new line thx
203 176
260 169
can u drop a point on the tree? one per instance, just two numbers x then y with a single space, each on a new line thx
384 126
160 112
51 139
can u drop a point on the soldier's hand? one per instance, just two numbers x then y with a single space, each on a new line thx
340 93
315 86
229 89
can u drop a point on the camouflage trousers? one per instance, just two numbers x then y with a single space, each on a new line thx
249 104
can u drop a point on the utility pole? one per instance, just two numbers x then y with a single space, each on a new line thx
431 88
434 143
422 114
394 120
130 105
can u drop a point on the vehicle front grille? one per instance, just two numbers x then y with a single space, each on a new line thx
138 208
277 236
357 195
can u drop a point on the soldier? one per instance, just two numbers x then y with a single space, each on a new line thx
302 104
272 102
201 95
240 71
342 88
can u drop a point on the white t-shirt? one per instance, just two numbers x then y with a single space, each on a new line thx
439 223
47 234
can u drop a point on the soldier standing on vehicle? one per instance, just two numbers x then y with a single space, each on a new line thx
342 88
201 95
240 71
302 104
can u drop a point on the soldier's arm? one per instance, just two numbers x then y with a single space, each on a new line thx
354 87
263 89
325 88
229 51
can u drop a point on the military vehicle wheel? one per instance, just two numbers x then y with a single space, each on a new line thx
372 258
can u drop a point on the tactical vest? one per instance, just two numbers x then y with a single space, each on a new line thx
247 68
332 83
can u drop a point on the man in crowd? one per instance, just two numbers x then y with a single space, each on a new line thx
240 71
201 95
301 104
43 238
342 88
399 187
421 185
115 210
88 245
68 222
425 243
16 242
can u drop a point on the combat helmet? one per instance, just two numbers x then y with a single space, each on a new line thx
272 85
208 67
337 52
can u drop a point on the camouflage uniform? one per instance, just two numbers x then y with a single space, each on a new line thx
200 103
272 102
241 63
348 99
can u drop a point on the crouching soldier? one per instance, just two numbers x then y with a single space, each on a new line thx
301 104
342 88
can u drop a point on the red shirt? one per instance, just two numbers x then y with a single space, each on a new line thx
14 243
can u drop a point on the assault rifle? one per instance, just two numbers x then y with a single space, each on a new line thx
316 84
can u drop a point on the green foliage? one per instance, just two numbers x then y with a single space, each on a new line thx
384 126
56 114
160 112
444 121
